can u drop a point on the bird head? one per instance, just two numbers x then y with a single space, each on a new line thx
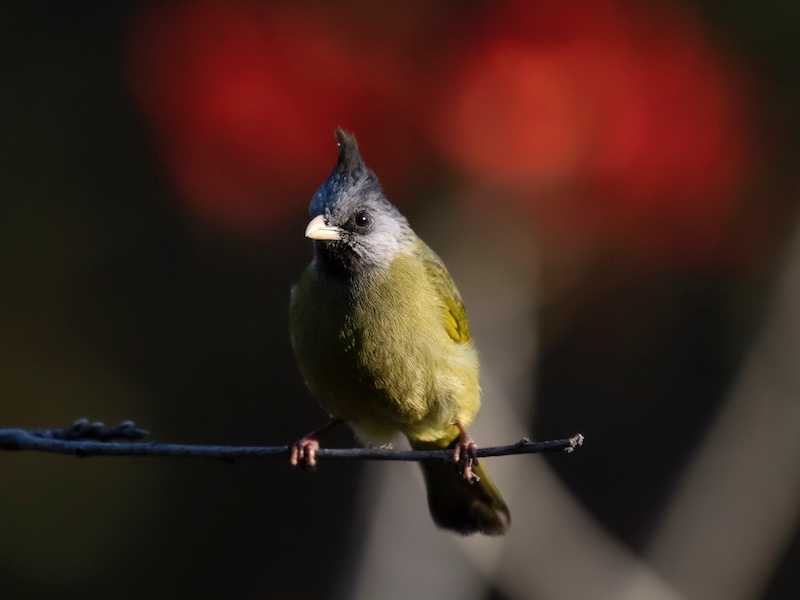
353 225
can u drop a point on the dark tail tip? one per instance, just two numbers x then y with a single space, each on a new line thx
464 507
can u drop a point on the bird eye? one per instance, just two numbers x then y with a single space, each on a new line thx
361 219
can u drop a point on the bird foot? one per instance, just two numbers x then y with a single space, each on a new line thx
303 453
465 455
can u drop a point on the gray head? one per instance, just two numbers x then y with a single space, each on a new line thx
354 226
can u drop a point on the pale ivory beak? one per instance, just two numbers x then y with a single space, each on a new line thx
318 230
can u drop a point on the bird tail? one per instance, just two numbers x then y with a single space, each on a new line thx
459 505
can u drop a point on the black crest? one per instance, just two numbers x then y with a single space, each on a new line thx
349 155
350 172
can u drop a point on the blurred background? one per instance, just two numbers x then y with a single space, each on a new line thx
614 186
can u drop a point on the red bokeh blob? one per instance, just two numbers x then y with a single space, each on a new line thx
244 101
514 117
635 111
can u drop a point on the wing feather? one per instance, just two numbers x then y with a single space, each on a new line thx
454 316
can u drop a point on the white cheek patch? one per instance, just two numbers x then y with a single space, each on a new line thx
389 235
388 238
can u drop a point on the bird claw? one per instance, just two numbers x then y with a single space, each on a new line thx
465 455
303 453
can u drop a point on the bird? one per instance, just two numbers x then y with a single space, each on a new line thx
380 335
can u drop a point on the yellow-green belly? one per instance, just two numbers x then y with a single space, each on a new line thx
380 358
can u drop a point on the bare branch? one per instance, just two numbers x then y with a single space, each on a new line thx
93 439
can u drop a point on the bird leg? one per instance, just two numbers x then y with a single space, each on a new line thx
303 451
465 454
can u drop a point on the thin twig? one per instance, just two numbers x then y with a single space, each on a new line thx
93 439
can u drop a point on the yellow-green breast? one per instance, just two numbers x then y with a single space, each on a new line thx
391 353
